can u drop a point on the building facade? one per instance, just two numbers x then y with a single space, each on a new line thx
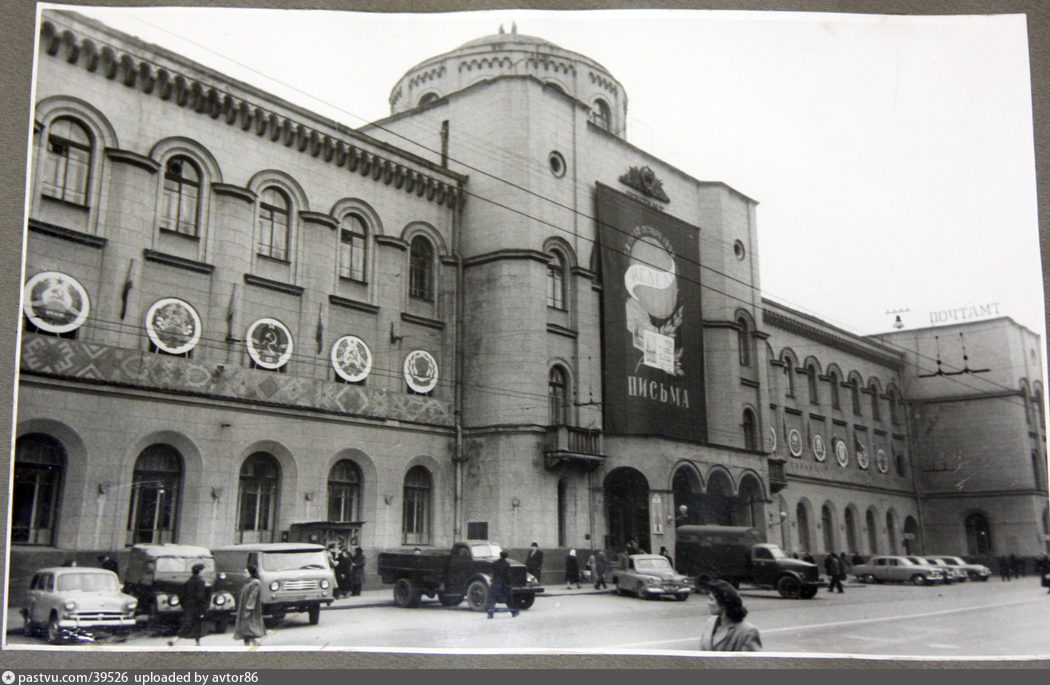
485 316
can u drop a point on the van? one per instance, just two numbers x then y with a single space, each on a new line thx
295 576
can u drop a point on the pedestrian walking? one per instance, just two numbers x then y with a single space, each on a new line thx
500 590
1016 566
194 596
1004 568
534 562
726 630
344 567
846 566
357 572
599 566
1044 572
834 570
249 626
572 570
107 562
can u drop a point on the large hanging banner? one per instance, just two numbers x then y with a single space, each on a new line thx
652 328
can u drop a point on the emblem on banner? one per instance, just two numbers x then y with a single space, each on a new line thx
653 312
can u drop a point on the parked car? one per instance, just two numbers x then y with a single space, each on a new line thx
974 571
73 602
894 569
953 574
649 575
156 573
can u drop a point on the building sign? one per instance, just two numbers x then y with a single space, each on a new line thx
55 302
351 358
965 313
269 343
651 321
421 371
173 325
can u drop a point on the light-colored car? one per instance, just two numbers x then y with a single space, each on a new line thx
72 602
895 569
649 575
974 571
953 574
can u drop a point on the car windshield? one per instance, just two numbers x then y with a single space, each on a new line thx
918 562
485 550
935 562
776 552
952 561
294 560
183 564
660 564
87 582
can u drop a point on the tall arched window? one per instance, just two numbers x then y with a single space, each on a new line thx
827 526
789 372
344 492
415 517
802 517
556 281
854 395
891 532
811 382
275 211
353 241
876 414
851 532
257 506
743 341
558 394
895 417
182 190
421 269
750 428
156 483
40 462
873 533
67 164
1037 469
601 114
978 535
835 402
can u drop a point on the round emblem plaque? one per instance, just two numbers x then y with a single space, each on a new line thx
173 325
795 442
773 435
269 343
421 371
882 460
819 449
55 302
841 452
862 456
351 358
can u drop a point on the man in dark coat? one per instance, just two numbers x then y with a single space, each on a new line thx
499 591
534 562
194 596
109 563
833 567
344 567
357 572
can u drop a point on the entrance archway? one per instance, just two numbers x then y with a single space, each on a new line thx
750 507
688 492
718 504
627 508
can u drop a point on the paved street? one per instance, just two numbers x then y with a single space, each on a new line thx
967 620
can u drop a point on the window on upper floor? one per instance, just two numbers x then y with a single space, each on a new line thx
421 269
750 428
895 414
556 281
601 114
182 191
743 341
854 395
275 211
875 413
835 401
67 164
558 394
789 372
353 241
811 381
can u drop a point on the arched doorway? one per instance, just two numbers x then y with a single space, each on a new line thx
154 507
891 532
39 463
750 507
805 542
827 526
258 495
873 539
688 492
627 508
978 535
717 504
851 531
911 536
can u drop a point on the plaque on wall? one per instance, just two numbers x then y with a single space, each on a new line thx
773 434
269 343
351 358
421 371
55 302
795 442
862 454
819 449
841 452
882 460
173 325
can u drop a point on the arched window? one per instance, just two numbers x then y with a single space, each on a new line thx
415 517
743 341
875 413
827 525
257 507
601 114
427 99
902 466
811 381
156 483
344 492
891 532
851 532
40 461
854 395
750 428
895 416
182 190
67 165
421 269
353 241
978 535
873 539
789 372
558 394
275 211
835 402
802 517
556 281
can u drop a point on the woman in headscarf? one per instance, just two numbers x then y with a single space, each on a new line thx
726 630
249 626
572 570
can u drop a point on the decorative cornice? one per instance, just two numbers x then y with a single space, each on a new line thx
721 323
584 273
644 179
278 286
391 241
177 262
133 159
319 218
561 330
750 383
233 191
66 234
353 304
502 255
423 321
856 347
450 260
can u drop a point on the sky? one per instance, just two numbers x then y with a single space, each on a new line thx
892 157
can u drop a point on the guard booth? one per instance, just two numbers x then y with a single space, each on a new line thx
343 533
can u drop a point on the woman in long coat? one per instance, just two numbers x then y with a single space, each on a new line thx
572 569
357 572
194 597
249 626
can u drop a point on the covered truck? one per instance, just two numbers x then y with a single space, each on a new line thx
464 572
739 554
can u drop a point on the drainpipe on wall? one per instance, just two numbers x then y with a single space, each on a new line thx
457 457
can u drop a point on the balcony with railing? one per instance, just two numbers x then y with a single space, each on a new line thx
571 445
777 475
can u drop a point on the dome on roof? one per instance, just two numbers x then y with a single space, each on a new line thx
497 38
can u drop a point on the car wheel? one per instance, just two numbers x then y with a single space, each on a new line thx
639 591
314 614
405 595
789 587
620 590
54 631
526 602
478 595
682 596
808 593
918 579
28 627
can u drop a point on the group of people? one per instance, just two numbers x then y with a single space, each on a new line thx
195 598
1010 567
349 570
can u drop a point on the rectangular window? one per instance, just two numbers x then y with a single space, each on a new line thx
66 172
416 517
273 233
555 287
352 256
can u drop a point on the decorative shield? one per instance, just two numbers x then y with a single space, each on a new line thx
173 325
841 452
351 358
269 343
882 460
55 302
421 371
795 442
819 449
